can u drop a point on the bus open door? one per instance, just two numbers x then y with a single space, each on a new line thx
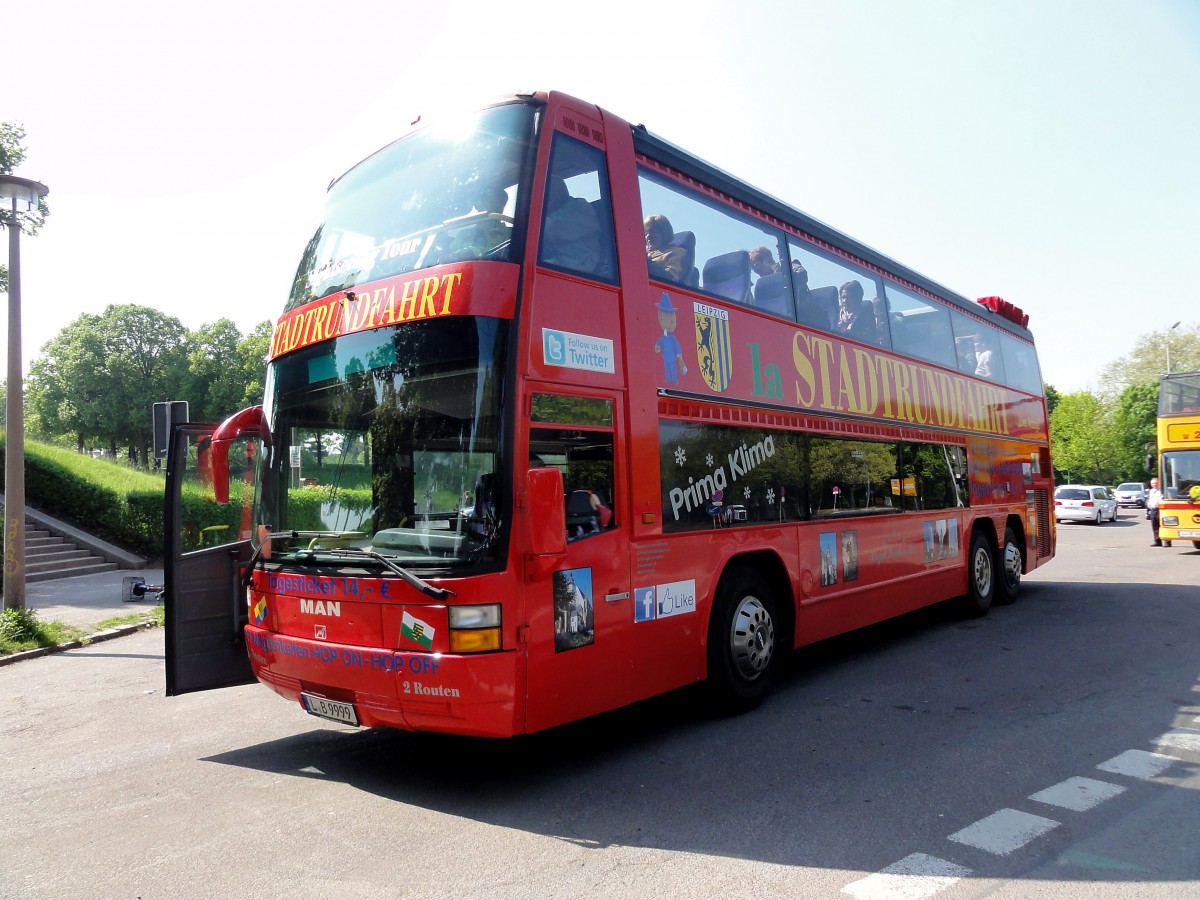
206 550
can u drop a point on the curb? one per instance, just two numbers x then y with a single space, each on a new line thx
107 635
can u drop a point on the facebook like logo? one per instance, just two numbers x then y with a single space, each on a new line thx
644 605
554 347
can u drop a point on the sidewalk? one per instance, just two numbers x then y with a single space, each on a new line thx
86 600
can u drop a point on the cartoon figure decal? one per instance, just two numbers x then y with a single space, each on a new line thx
668 344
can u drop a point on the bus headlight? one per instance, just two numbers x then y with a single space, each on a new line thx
474 629
1169 521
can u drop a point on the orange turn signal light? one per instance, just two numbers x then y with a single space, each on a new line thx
475 640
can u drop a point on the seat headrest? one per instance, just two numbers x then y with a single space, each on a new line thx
729 275
735 264
686 240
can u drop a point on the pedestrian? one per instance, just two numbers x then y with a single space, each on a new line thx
1153 499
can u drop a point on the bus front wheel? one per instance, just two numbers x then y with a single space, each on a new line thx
741 641
981 577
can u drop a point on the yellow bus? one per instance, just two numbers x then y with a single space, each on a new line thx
1179 457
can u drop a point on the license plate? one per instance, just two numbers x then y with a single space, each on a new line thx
1189 534
333 710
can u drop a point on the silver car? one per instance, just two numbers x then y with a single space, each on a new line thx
1131 493
1084 503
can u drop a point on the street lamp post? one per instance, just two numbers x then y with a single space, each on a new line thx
20 195
1169 330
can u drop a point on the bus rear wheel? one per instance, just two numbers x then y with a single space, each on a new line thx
741 641
981 577
1008 576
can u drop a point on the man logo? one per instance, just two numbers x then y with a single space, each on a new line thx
331 608
713 351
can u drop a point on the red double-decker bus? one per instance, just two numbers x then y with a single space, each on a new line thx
559 417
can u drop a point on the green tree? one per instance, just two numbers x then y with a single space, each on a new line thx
62 393
100 377
225 370
146 356
1083 439
1052 398
1148 359
1135 418
12 154
213 385
252 363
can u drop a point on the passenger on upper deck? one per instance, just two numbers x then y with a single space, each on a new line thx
807 311
854 318
571 238
879 310
666 261
762 262
983 357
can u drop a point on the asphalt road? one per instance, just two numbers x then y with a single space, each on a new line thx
1050 749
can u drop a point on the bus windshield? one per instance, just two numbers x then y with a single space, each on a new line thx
1181 474
386 442
444 194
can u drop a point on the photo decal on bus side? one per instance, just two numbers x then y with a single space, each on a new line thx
850 555
941 539
574 614
829 564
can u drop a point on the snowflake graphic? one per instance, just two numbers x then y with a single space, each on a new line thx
680 456
708 460
771 496
746 493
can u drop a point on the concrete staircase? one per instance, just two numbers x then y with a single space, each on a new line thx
57 549
49 556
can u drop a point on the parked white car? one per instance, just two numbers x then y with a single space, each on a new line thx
1131 493
1084 503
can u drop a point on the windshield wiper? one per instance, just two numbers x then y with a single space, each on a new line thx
406 576
257 554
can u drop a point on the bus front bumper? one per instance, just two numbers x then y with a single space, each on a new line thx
469 694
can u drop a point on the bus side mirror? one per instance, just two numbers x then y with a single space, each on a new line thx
250 422
547 513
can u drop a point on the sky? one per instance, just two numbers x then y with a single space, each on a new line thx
1046 151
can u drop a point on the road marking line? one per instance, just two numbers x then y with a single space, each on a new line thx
1183 738
1137 764
915 877
1079 794
1004 831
